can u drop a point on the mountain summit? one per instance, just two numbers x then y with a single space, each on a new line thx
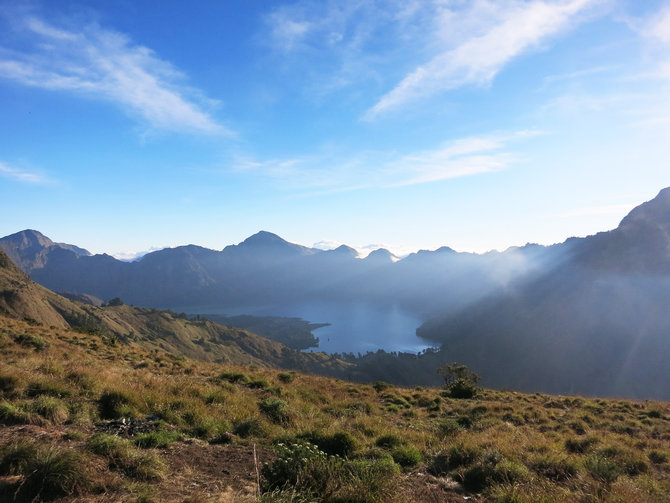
29 249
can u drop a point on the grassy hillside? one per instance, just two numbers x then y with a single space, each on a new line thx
21 298
86 419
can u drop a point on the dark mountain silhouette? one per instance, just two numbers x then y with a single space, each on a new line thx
597 321
29 249
266 270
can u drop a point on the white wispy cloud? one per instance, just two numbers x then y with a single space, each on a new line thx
102 63
457 158
131 256
509 29
658 26
21 175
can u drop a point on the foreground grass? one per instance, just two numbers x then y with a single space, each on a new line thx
82 419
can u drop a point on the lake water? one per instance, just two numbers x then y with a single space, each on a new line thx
355 327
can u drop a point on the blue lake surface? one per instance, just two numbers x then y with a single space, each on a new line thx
355 327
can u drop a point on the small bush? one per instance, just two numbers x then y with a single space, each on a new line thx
10 414
50 408
449 427
292 463
250 428
156 439
463 389
275 409
216 398
48 473
27 340
406 456
258 384
389 441
580 445
104 444
658 457
554 468
144 466
234 377
16 457
602 468
510 472
380 386
115 405
461 455
286 377
338 444
38 388
8 385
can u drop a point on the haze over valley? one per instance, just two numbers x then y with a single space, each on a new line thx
584 316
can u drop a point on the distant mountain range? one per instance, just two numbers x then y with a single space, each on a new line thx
590 315
265 270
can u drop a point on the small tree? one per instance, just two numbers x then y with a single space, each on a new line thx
459 380
116 301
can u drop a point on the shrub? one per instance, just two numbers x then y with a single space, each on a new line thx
305 472
449 427
291 465
510 472
286 377
10 414
380 386
460 382
48 473
580 445
476 477
121 455
389 441
439 464
27 340
406 456
338 444
158 439
50 408
234 377
602 468
16 457
8 385
143 466
275 409
461 455
658 457
115 405
554 468
250 427
104 444
258 384
38 388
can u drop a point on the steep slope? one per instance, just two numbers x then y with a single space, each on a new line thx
23 299
597 322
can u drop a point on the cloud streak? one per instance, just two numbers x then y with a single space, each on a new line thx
458 158
512 29
104 64
21 175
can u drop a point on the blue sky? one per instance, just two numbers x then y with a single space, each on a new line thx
482 124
